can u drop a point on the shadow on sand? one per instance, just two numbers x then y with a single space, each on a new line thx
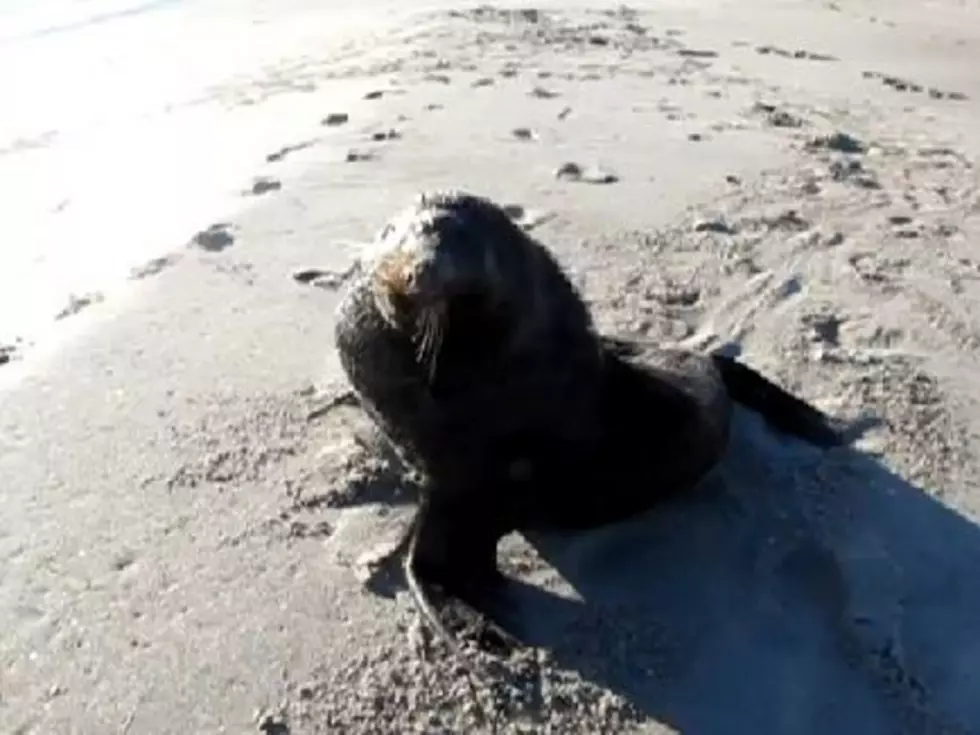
796 592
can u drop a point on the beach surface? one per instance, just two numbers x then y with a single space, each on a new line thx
186 536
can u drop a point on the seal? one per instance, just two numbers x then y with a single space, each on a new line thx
459 334
470 348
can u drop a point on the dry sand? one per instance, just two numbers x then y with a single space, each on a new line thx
180 539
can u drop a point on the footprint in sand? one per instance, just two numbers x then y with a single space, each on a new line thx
571 171
286 150
263 185
905 227
358 156
717 226
78 303
542 93
696 53
839 142
851 170
214 239
904 85
824 328
802 54
152 267
390 134
776 117
334 119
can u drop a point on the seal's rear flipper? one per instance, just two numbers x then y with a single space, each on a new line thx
778 407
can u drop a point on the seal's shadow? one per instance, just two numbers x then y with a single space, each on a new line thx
794 592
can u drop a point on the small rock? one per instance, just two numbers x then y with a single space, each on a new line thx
523 133
265 184
390 134
573 172
564 113
568 170
355 156
214 239
374 95
733 180
695 137
335 118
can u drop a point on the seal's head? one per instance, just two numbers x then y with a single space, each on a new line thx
453 272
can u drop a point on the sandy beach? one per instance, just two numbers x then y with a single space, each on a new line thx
184 534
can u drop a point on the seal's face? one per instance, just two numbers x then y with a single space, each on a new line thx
448 273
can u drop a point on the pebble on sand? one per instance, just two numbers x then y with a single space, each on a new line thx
335 118
571 171
214 239
265 184
841 142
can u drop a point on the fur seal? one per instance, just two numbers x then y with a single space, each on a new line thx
469 347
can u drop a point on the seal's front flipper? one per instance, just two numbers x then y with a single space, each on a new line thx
455 549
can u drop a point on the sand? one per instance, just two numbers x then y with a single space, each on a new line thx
184 534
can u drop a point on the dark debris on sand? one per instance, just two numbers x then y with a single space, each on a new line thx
215 238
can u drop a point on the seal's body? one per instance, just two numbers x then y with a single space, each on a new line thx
473 352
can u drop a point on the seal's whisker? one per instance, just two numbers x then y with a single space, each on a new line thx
429 334
437 333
